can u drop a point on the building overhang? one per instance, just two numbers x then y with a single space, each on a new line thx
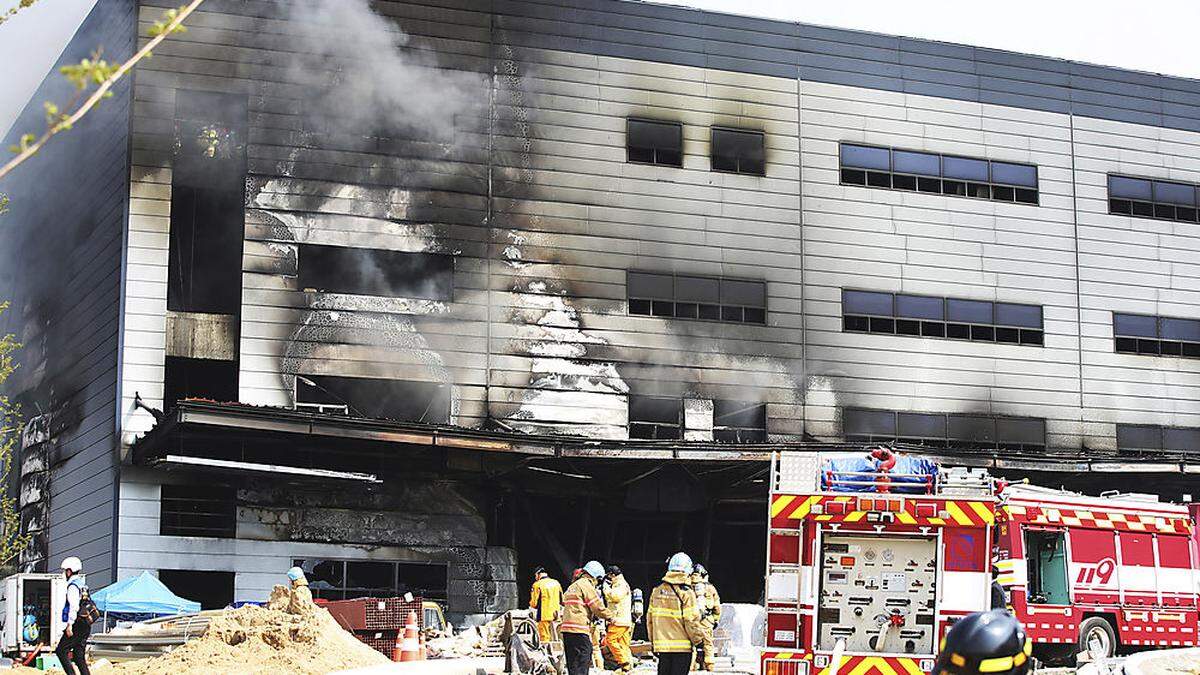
203 428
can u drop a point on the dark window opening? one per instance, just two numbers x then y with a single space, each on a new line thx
739 151
1046 562
400 400
367 271
349 579
690 297
655 418
186 378
1142 440
739 422
934 173
982 432
1149 198
213 590
1156 335
204 268
649 142
930 316
198 511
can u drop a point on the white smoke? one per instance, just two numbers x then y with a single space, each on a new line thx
367 75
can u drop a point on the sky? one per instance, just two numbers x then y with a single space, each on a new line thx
1151 35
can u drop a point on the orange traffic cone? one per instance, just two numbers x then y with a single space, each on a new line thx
410 646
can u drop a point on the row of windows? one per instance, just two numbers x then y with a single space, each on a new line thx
691 297
1156 335
348 579
661 418
1148 198
983 432
938 174
1139 439
658 142
929 316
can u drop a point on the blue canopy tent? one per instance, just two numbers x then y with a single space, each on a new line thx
140 596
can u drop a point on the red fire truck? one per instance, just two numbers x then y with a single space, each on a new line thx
876 559
872 559
1113 570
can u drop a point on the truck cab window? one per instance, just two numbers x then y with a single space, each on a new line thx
1046 555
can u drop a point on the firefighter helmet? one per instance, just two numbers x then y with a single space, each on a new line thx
985 642
594 569
680 562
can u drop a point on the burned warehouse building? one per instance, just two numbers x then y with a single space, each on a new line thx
419 296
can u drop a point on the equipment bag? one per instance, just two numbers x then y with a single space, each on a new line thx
88 611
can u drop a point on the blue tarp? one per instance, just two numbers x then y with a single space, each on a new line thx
143 594
837 474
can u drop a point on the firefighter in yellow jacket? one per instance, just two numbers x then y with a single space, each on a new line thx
619 631
710 615
582 604
673 618
545 598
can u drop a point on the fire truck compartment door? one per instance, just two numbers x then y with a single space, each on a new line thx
865 580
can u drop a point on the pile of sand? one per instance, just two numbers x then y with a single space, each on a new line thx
289 635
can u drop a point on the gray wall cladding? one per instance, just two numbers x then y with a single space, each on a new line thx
61 252
836 56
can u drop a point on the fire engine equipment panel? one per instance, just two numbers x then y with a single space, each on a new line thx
877 593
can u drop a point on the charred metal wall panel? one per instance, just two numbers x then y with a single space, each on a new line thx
61 254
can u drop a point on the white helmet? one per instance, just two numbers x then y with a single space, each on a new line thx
72 563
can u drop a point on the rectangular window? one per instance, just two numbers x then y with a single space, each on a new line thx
940 174
1150 198
186 378
690 297
983 432
1148 440
368 271
400 400
739 151
739 422
1156 335
655 418
349 579
652 142
198 511
932 316
204 264
213 590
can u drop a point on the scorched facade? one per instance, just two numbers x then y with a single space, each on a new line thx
648 228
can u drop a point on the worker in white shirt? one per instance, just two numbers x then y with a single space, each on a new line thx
72 646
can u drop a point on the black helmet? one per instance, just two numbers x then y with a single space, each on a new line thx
613 571
985 642
699 569
538 571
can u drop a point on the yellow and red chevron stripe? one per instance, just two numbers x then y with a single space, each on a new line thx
858 665
1047 515
787 510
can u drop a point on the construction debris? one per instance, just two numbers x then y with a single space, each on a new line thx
288 635
477 641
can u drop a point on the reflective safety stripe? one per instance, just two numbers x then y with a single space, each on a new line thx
672 644
663 611
995 665
958 660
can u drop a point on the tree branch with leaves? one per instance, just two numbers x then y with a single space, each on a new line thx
93 71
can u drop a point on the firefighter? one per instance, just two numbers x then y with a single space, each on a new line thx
710 615
581 605
546 599
620 628
673 619
991 643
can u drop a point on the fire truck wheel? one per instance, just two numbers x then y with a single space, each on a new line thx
1096 628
